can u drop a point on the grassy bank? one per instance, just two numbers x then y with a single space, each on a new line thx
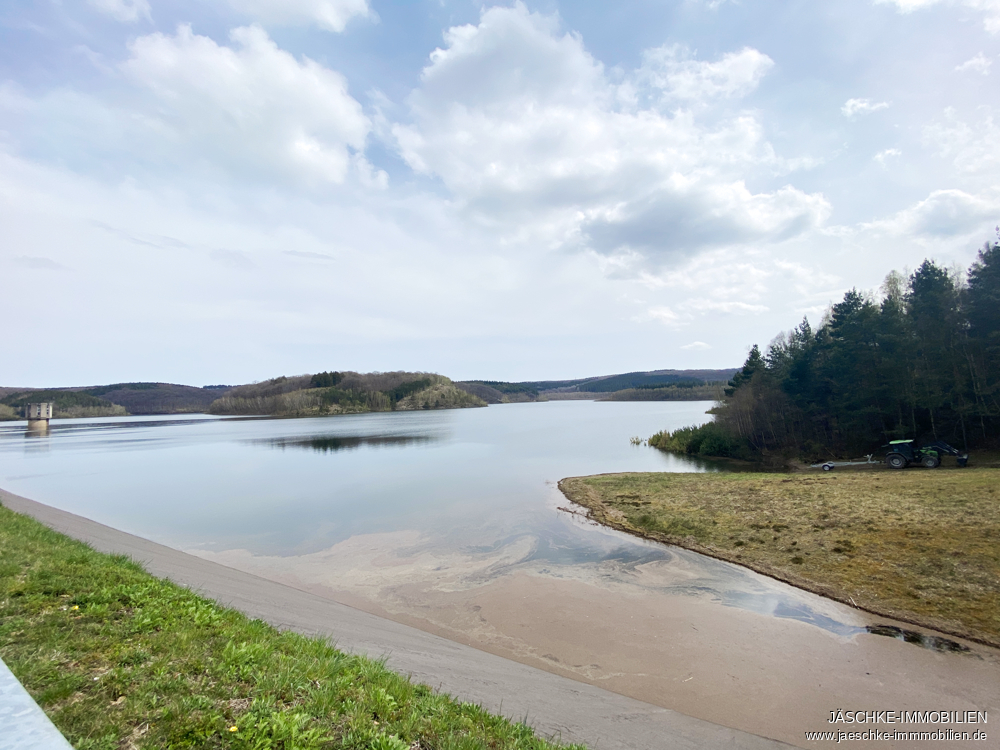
120 659
921 546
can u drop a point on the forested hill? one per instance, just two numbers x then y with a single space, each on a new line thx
344 393
654 385
921 360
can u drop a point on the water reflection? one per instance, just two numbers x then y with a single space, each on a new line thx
64 427
333 443
654 567
560 550
37 429
786 609
933 642
36 440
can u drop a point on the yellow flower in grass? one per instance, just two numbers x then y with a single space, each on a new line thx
234 729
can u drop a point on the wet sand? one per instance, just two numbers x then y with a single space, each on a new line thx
555 706
656 631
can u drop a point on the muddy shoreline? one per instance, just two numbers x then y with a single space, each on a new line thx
555 707
664 631
598 512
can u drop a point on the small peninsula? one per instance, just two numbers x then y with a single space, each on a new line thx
919 546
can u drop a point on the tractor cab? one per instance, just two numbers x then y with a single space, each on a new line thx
900 454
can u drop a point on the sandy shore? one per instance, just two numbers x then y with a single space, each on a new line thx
555 706
772 676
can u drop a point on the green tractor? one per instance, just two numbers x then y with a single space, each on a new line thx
901 454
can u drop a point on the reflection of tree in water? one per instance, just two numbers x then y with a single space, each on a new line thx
328 444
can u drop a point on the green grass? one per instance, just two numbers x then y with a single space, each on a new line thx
918 545
120 659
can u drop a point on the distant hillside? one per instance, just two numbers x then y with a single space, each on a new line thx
159 398
68 404
345 393
656 385
117 399
496 392
352 392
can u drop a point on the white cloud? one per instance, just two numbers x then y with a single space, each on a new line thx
977 64
725 306
942 214
698 346
521 123
974 148
764 282
332 15
671 71
383 283
989 8
883 156
665 316
250 108
126 11
631 209
854 107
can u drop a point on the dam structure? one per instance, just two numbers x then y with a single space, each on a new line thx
38 416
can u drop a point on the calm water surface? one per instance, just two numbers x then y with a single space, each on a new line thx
289 486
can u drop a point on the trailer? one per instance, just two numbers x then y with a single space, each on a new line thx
903 453
831 465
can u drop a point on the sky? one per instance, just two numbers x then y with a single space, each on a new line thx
220 192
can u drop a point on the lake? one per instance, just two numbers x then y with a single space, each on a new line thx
288 486
451 521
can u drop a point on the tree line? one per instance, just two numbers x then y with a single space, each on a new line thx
921 360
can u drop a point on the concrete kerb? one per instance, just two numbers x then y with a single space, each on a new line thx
23 725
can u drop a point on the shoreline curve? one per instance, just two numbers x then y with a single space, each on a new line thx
596 513
555 706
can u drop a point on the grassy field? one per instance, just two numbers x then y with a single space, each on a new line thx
918 545
120 659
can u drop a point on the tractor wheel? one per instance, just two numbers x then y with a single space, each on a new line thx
896 461
930 461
